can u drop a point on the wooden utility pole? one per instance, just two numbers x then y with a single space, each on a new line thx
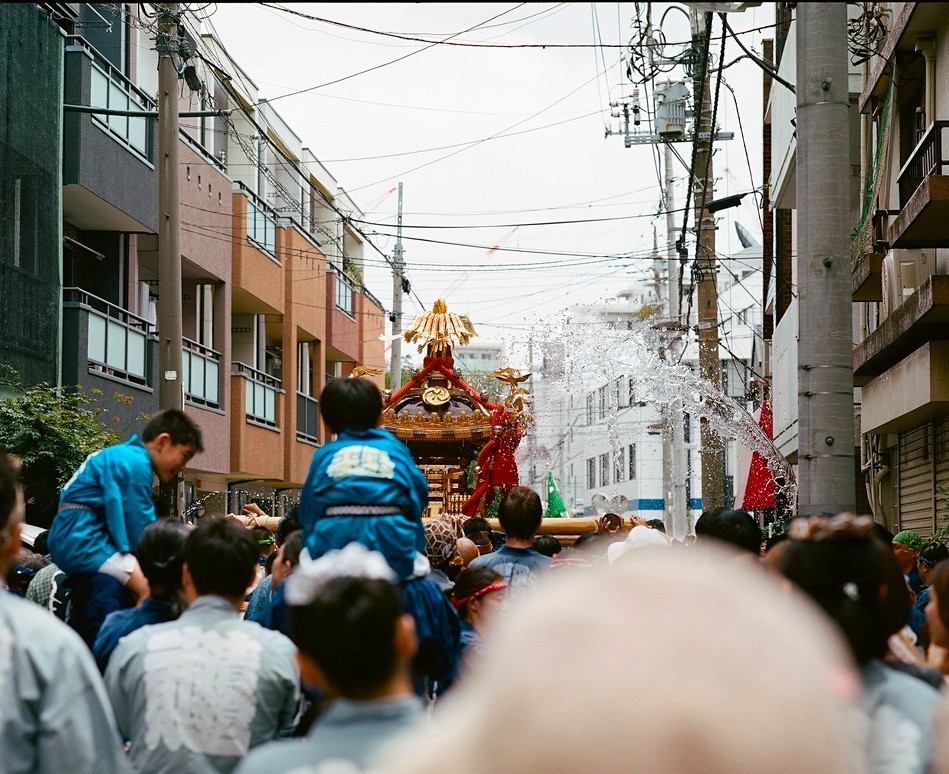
706 268
169 214
170 388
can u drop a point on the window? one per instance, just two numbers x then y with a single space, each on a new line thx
604 470
304 368
590 409
591 473
601 402
687 427
344 293
619 466
632 391
632 462
622 395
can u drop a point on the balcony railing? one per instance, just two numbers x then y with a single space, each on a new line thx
261 222
308 417
261 394
345 288
201 369
117 339
112 90
929 157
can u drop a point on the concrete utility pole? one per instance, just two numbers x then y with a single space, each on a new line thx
169 214
825 357
677 510
398 267
706 264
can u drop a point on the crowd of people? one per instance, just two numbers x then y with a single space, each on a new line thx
350 635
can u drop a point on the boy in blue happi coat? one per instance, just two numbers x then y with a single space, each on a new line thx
363 487
107 503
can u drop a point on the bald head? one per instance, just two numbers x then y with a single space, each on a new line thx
689 661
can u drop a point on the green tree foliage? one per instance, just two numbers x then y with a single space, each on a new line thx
52 431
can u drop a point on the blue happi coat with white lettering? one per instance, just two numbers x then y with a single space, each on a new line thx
369 468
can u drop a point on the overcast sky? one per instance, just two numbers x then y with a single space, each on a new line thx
560 167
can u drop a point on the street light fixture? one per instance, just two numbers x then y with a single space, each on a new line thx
726 202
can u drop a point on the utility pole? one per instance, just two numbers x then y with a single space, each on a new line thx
825 358
678 506
169 213
706 266
170 389
398 267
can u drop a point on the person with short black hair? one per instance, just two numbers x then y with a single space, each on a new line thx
161 554
479 530
657 524
196 694
41 543
355 642
520 515
705 520
105 506
735 528
547 545
56 714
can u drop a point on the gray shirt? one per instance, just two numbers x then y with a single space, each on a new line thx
56 715
194 695
900 710
350 731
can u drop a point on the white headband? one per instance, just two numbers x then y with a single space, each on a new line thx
353 561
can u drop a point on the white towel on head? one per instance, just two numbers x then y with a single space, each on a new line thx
639 537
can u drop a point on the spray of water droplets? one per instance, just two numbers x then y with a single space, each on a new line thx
595 354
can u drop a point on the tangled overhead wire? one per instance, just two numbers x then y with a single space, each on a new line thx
866 32
647 55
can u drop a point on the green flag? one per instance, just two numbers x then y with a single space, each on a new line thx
555 506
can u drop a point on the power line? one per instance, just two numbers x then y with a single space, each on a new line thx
465 44
756 59
479 142
384 64
647 216
227 81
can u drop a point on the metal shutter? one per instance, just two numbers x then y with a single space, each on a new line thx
942 472
916 480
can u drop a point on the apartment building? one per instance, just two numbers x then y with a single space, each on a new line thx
901 267
272 295
30 192
899 130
